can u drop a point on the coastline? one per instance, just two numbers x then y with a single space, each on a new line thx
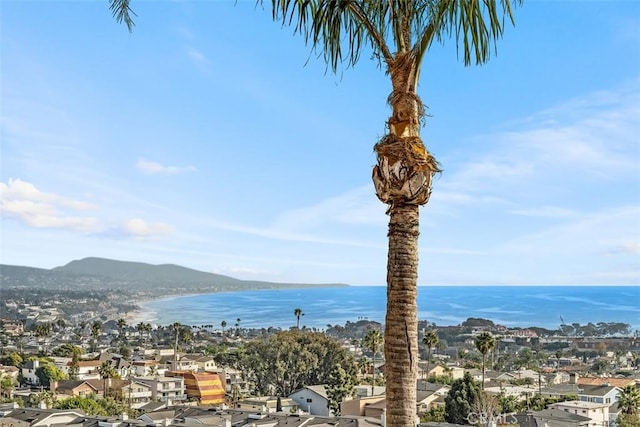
515 306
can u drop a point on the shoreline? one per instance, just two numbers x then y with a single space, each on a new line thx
321 308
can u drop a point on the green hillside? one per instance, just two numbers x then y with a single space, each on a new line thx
101 273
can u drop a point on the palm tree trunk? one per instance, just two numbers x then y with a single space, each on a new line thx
483 357
401 324
373 374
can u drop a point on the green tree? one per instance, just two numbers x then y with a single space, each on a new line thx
67 350
47 373
373 341
629 400
484 342
434 414
460 401
88 405
285 361
7 384
429 340
298 313
340 386
11 359
398 33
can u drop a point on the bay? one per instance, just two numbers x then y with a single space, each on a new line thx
511 306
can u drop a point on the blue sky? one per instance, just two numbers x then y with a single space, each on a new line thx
212 138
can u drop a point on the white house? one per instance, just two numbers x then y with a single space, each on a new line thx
312 399
597 412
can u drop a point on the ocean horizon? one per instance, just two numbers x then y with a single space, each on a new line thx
511 306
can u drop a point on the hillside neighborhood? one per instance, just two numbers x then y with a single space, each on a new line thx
92 369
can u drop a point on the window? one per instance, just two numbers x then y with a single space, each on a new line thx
309 400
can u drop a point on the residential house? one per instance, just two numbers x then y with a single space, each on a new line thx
547 418
88 369
312 399
604 393
165 388
597 412
73 388
143 368
357 407
430 395
202 363
29 372
452 372
268 404
136 393
617 382
28 417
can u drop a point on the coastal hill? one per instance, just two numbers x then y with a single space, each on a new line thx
101 273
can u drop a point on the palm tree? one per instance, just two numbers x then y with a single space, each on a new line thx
176 328
373 341
298 313
106 372
629 400
399 33
485 342
96 329
430 340
238 327
224 325
122 324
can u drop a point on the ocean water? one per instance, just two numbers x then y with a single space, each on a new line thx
512 306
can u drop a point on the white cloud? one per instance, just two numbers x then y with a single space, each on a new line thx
23 201
152 168
139 228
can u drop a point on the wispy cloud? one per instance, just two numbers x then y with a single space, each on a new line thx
154 168
139 228
545 212
196 56
24 202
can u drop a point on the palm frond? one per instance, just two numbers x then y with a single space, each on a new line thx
337 29
121 10
477 25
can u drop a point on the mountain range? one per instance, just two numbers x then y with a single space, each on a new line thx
102 273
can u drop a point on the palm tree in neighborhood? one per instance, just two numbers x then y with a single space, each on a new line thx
106 371
373 341
176 329
629 400
398 33
298 313
223 324
485 342
96 330
122 324
430 340
238 327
